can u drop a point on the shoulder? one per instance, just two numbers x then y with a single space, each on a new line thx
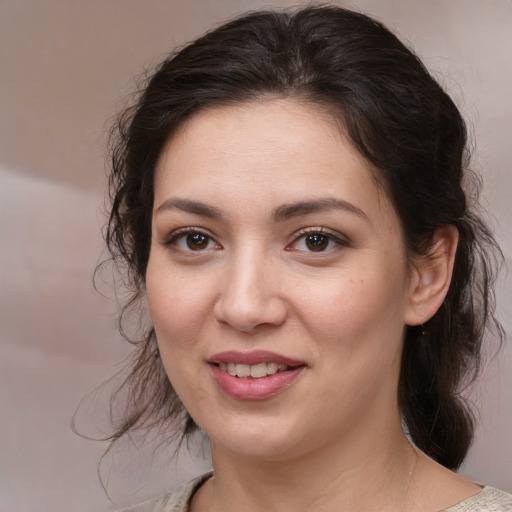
175 501
488 499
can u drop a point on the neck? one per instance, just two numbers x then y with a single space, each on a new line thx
352 475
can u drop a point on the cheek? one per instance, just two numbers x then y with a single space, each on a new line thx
178 306
358 327
179 313
354 300
358 322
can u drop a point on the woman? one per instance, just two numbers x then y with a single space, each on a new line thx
287 195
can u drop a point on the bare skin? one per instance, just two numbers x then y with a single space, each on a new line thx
271 233
409 481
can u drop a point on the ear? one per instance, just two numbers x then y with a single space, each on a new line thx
431 276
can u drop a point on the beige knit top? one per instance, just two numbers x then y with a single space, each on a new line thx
487 500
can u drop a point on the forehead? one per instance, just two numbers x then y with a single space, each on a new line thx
276 128
263 152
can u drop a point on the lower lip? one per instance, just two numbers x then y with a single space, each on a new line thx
254 389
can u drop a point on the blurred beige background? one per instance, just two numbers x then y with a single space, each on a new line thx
65 67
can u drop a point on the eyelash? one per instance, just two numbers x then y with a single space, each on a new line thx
173 240
331 237
175 237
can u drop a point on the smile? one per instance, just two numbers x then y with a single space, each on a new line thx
256 375
254 371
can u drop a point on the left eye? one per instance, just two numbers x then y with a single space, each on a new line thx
193 241
315 241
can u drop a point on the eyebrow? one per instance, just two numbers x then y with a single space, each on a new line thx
189 206
325 204
279 214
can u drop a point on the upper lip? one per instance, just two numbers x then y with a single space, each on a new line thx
253 357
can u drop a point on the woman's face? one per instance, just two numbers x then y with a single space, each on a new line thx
277 280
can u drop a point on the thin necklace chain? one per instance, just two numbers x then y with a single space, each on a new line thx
410 479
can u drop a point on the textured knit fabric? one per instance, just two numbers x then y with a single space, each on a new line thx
487 500
176 501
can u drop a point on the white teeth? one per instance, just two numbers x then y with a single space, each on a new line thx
255 371
272 368
258 371
243 370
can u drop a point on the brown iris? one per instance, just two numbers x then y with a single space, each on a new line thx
197 241
317 242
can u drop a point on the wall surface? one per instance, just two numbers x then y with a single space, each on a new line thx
66 66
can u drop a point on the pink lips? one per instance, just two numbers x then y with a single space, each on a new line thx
254 357
251 388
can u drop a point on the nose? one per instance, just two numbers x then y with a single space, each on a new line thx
249 295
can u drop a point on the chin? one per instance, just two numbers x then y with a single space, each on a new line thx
255 448
265 441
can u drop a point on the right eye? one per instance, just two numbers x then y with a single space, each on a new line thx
192 240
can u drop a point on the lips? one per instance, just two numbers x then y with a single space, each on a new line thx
254 357
255 375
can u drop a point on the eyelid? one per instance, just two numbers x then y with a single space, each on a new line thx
171 239
334 236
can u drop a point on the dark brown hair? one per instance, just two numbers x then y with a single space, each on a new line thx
399 119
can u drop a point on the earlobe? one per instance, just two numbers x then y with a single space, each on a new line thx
432 274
